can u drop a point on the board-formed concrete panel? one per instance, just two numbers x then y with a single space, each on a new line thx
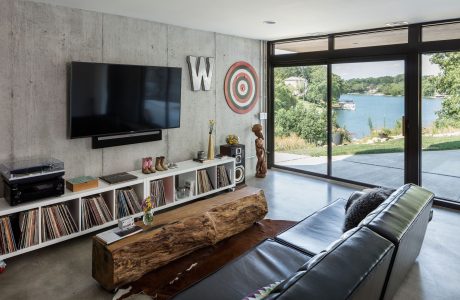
6 38
137 42
229 50
197 107
6 130
46 39
39 41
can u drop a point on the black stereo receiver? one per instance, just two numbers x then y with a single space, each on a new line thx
33 179
16 193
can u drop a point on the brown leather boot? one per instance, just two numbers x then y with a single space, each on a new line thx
158 164
151 166
163 163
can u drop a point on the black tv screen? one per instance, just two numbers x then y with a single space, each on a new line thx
109 99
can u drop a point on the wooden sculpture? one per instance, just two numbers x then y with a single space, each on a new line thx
261 167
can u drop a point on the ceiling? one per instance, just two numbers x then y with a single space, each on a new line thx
293 17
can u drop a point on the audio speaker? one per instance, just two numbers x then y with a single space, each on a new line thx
238 152
125 139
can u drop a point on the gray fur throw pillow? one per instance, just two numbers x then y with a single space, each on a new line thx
359 208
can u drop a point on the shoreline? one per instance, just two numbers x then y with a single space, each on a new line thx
394 96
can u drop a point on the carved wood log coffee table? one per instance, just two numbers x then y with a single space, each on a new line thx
175 234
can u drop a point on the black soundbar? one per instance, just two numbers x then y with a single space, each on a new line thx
126 139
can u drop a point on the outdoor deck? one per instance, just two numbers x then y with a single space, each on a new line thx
441 169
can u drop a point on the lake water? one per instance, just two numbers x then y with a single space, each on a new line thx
384 111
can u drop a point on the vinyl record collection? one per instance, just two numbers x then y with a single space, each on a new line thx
204 182
127 203
157 192
94 212
223 179
8 243
57 221
28 222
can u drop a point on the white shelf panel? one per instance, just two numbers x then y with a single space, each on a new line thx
182 167
58 240
183 200
96 228
142 182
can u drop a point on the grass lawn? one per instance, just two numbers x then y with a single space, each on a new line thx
393 145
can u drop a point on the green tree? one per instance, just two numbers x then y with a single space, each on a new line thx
388 85
429 84
307 120
304 112
284 98
392 89
448 83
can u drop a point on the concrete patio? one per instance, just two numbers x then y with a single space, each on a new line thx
441 169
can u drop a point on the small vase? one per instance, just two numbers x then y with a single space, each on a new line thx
148 217
211 154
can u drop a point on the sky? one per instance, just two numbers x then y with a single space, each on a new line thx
378 69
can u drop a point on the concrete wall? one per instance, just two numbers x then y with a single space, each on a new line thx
38 41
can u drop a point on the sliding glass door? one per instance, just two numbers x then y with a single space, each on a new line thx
300 118
367 109
367 122
441 124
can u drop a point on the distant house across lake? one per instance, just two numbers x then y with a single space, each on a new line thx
297 84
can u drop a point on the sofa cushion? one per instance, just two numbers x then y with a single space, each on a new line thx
353 267
357 209
353 197
317 231
404 223
269 262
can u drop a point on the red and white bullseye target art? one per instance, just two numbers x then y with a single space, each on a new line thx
241 87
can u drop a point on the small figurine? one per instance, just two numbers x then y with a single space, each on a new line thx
261 167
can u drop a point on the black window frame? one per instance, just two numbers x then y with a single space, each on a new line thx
411 52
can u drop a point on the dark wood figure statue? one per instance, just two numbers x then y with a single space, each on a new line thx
261 167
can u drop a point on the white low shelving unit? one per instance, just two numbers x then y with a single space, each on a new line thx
185 171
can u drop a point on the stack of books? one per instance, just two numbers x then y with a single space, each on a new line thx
204 182
94 212
7 242
222 177
57 221
157 192
28 222
127 203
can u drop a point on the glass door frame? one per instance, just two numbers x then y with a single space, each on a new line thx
271 120
328 63
411 52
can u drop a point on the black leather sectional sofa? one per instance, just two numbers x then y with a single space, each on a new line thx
316 260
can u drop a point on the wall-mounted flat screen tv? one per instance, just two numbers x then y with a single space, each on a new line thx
111 99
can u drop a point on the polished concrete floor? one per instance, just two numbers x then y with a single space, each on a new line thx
63 271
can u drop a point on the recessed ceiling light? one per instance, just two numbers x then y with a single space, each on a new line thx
270 22
398 23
